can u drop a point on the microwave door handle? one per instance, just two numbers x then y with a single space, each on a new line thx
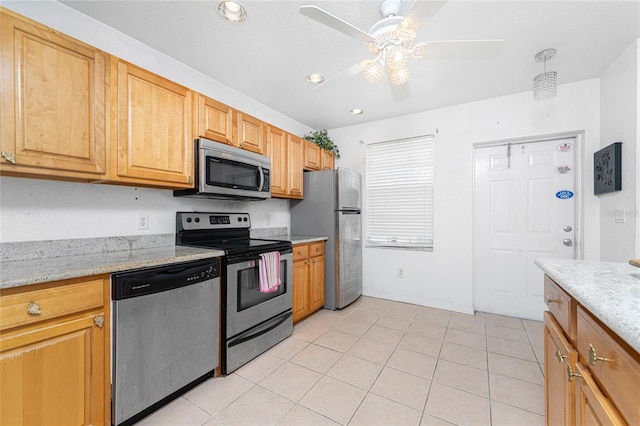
261 179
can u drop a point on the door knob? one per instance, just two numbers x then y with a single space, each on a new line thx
567 228
567 242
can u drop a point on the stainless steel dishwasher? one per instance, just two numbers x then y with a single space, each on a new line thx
165 335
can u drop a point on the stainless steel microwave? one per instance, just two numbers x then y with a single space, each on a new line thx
227 172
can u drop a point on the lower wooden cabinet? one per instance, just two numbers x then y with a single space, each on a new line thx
308 279
592 407
559 392
592 377
54 353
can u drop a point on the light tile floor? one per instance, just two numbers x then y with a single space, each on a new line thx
380 362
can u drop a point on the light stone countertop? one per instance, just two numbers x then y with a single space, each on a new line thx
59 260
609 290
299 239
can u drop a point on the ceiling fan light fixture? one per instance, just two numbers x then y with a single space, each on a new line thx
545 85
399 75
395 56
232 11
373 71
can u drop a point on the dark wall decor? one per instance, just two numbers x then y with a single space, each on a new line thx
607 169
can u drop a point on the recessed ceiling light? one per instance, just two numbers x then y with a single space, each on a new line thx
357 111
315 78
232 11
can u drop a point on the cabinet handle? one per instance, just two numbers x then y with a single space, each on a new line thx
33 309
99 321
593 358
550 300
9 157
561 357
571 374
306 263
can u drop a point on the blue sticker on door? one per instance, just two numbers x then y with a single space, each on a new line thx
564 195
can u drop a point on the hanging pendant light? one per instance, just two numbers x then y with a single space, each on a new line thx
545 85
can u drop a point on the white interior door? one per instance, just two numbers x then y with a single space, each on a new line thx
524 208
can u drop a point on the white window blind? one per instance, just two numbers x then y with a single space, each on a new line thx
399 187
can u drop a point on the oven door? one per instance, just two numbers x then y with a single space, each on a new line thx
246 306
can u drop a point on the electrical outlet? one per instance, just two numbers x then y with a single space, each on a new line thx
143 221
400 273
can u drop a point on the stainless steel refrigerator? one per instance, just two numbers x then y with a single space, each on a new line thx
331 207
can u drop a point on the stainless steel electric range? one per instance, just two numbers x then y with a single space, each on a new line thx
251 321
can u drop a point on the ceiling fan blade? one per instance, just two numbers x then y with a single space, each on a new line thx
419 15
463 49
336 23
348 72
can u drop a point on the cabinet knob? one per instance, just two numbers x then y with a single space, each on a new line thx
9 157
550 300
33 309
593 358
561 357
571 374
99 321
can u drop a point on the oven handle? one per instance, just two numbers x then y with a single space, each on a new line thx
250 260
284 316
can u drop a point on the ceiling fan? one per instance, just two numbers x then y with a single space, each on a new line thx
390 41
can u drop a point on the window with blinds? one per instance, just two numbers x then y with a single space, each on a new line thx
399 185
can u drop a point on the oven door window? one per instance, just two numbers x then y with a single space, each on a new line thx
249 287
232 174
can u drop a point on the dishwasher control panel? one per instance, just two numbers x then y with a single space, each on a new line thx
146 281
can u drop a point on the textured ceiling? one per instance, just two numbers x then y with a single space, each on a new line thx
269 56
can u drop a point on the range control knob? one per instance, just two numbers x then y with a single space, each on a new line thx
245 219
188 220
239 219
197 219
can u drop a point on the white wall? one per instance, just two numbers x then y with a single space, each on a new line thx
443 278
36 209
619 121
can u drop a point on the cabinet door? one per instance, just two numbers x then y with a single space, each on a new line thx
277 151
312 158
54 374
328 160
214 120
316 283
53 102
294 166
251 134
300 289
559 392
592 407
153 129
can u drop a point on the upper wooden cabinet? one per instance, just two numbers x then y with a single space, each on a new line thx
285 151
277 152
214 120
312 156
295 154
53 121
152 128
250 134
328 160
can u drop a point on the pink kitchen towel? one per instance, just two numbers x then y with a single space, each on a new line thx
269 271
